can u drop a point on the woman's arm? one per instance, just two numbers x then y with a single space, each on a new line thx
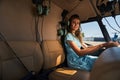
91 49
84 45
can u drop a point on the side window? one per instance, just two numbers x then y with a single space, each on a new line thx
92 33
113 27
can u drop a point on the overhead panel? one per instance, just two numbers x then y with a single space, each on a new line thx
85 8
81 7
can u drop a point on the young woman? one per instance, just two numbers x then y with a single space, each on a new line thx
77 57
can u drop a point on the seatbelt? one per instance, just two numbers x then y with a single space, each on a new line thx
30 73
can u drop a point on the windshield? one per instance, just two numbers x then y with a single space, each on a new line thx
112 25
92 33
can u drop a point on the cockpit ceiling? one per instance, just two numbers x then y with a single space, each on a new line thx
82 7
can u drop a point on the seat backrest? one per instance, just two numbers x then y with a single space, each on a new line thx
107 66
30 54
53 53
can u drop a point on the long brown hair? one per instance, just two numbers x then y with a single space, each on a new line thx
78 33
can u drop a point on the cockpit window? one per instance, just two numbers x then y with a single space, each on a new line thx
92 33
112 25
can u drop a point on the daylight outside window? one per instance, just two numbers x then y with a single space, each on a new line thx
92 33
112 25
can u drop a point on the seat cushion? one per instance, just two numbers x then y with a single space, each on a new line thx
66 73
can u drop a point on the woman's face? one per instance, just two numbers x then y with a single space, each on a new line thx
75 24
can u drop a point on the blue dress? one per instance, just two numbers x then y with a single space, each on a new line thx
75 61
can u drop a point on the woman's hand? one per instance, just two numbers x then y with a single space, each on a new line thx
111 44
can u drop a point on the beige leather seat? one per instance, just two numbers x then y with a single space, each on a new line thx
54 55
107 66
30 54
